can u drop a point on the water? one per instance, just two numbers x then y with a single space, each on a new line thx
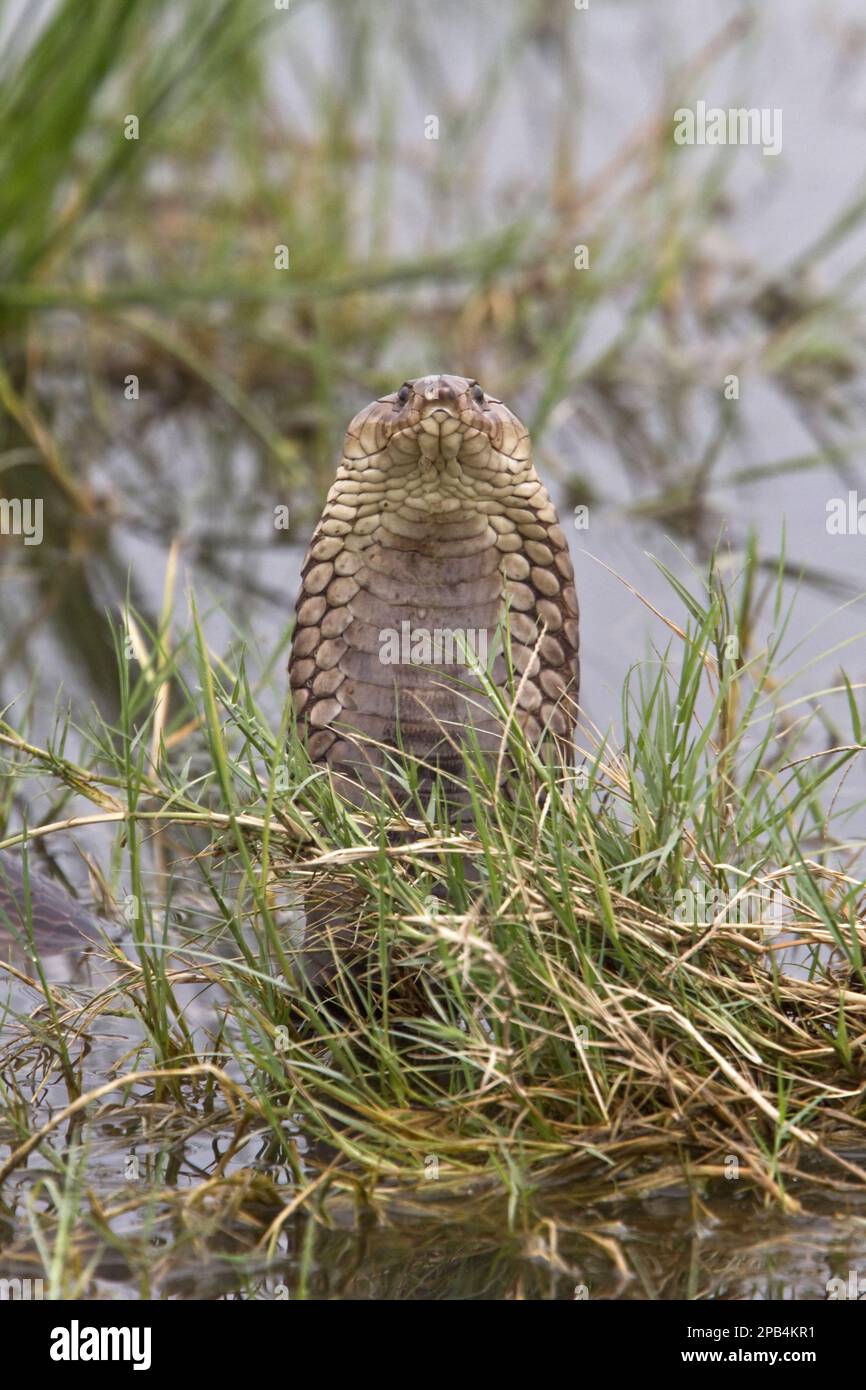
182 474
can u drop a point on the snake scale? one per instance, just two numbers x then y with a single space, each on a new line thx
436 523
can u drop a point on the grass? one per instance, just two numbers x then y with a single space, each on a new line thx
559 1025
554 1017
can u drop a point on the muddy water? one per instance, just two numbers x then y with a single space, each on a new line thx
177 477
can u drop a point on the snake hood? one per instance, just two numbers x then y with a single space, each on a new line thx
436 521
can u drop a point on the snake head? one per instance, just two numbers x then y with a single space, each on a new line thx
438 420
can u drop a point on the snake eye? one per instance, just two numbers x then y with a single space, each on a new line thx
478 394
404 393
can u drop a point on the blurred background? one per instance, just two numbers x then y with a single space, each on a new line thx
167 379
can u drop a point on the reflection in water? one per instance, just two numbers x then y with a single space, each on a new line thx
715 1242
635 427
41 921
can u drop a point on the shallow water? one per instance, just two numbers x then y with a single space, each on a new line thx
180 476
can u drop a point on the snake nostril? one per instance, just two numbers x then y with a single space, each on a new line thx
441 391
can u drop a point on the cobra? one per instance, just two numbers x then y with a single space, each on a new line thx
437 522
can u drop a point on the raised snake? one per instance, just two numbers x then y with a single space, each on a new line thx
437 522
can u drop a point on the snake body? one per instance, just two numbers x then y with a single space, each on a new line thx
437 522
